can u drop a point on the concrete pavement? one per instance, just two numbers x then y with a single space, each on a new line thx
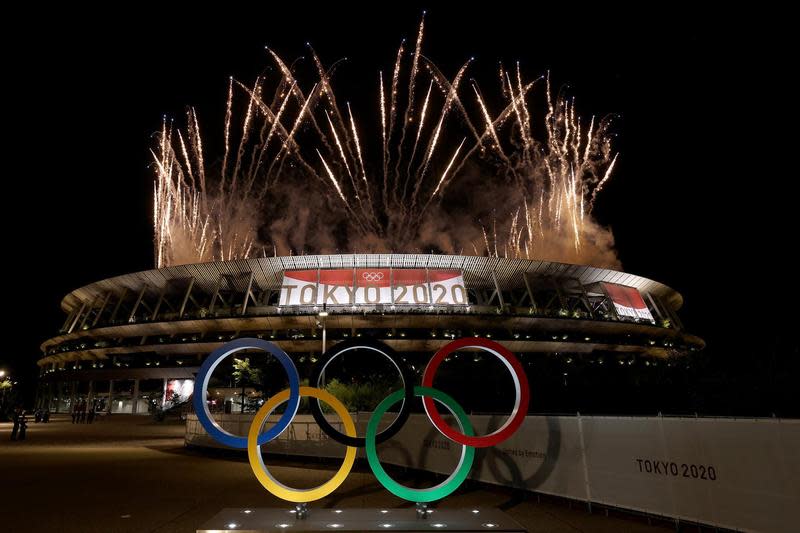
130 474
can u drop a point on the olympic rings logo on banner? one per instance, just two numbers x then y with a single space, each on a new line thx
372 276
464 435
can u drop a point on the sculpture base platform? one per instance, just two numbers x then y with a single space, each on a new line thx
264 520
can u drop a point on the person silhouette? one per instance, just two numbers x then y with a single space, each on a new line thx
23 425
15 429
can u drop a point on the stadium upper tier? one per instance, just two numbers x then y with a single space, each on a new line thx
414 301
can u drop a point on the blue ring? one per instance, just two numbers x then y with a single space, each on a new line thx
201 389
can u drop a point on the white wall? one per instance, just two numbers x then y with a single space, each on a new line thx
736 473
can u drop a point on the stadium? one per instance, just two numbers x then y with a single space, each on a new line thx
134 342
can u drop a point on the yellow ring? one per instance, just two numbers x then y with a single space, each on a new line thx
260 469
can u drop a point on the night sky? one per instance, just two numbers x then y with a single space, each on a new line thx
700 199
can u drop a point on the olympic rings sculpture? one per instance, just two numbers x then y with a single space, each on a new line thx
464 435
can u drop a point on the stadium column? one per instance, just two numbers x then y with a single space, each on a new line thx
135 406
38 401
110 394
49 395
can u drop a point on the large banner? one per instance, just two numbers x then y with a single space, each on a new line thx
627 301
741 474
179 390
359 286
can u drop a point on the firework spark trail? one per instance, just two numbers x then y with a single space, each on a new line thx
570 152
452 96
184 210
280 91
289 142
341 148
444 174
277 129
173 200
485 241
527 142
529 228
256 153
248 117
569 157
281 132
196 142
487 117
327 90
494 234
409 114
500 118
418 179
228 109
573 209
306 113
385 147
187 161
589 140
332 178
339 190
451 90
490 127
273 121
344 162
361 163
298 93
419 130
285 86
556 179
525 123
393 116
540 215
161 213
602 183
567 124
501 74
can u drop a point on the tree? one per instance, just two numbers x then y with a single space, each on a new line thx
358 396
244 374
5 389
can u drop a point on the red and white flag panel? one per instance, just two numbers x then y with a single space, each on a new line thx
628 301
407 286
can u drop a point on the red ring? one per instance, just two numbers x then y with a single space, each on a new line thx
521 403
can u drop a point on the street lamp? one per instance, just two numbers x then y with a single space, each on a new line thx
323 315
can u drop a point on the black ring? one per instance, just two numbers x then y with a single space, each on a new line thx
405 374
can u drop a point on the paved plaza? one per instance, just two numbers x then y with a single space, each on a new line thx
130 474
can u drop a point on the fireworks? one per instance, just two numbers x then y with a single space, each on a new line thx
541 190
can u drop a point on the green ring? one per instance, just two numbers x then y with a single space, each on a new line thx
446 487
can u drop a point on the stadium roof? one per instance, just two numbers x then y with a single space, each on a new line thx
268 273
